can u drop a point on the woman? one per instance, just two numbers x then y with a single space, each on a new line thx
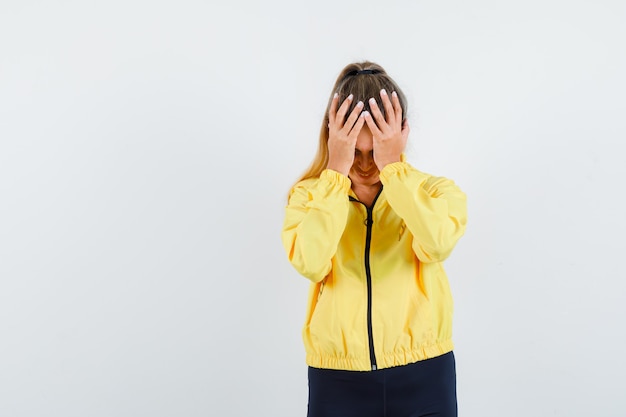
371 232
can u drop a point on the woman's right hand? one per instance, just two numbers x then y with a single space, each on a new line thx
342 135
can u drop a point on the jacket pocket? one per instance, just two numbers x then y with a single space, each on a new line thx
323 310
321 289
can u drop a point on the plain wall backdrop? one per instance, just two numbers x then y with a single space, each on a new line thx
146 151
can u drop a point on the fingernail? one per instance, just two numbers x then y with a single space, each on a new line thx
350 97
336 95
359 104
383 92
373 101
394 94
365 113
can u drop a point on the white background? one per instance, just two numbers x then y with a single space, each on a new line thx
146 150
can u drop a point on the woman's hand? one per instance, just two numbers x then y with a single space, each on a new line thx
342 135
390 134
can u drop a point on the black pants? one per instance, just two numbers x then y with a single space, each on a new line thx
424 388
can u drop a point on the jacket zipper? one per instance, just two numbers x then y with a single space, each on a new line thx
368 274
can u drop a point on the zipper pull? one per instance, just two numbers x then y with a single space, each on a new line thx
402 228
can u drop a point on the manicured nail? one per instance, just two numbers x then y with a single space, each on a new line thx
336 95
383 92
365 113
394 94
350 97
373 101
359 104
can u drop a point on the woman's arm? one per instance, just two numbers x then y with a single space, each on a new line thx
315 219
433 208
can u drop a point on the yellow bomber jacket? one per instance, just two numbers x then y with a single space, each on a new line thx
379 294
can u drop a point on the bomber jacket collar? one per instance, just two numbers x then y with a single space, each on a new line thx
379 201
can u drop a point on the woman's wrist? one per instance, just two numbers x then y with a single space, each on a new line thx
382 164
340 168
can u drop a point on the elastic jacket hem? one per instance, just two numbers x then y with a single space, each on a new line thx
386 360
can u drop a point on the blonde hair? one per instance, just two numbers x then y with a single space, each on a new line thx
363 86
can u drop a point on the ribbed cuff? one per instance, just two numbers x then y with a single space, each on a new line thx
393 169
336 179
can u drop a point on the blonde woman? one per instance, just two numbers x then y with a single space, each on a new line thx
371 233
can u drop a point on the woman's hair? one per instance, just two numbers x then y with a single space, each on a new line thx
364 80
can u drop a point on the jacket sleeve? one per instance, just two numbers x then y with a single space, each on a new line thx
433 208
315 219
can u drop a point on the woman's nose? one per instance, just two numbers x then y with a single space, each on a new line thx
365 162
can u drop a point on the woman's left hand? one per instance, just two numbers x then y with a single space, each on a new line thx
389 134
